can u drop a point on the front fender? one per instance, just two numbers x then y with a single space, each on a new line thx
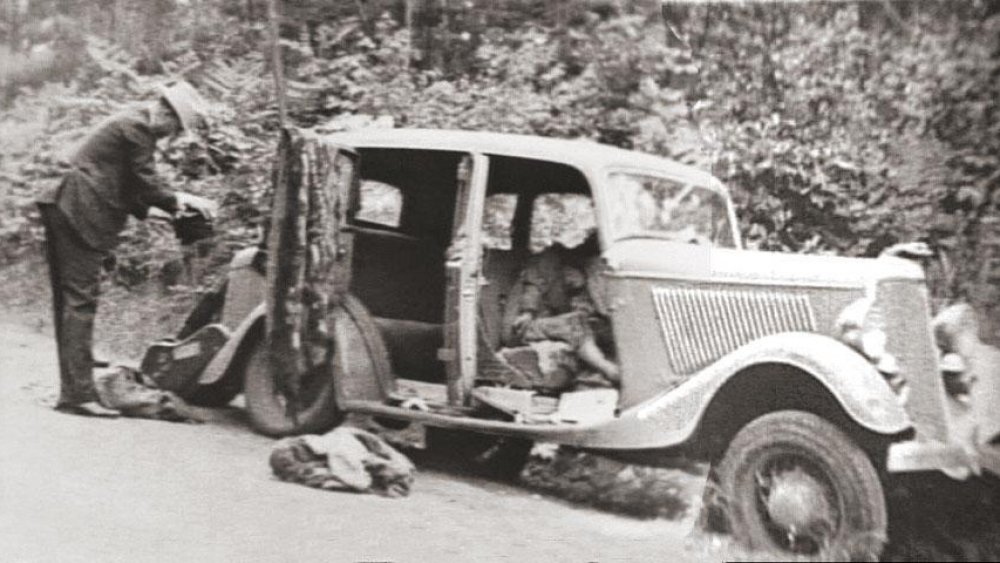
672 417
224 358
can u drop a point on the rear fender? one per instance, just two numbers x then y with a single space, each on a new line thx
220 364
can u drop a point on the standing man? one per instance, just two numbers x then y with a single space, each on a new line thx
112 176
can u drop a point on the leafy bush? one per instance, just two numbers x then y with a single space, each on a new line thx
841 138
840 127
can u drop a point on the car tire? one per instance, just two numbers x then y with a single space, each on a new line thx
218 394
268 408
791 482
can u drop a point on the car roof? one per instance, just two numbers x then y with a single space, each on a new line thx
581 153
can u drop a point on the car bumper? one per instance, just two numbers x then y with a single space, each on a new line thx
954 460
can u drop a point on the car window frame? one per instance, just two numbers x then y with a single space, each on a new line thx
713 184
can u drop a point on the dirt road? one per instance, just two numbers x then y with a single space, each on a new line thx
80 489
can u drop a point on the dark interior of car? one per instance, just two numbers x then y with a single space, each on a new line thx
394 264
527 179
398 263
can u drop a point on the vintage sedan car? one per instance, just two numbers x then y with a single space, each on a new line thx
805 380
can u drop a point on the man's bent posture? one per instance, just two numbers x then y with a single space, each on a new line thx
112 177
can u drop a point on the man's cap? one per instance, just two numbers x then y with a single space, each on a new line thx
186 102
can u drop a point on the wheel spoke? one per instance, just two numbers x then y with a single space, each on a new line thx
763 489
763 482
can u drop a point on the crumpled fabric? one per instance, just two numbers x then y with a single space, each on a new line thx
124 389
344 459
544 365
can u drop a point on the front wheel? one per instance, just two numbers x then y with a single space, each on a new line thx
274 413
793 483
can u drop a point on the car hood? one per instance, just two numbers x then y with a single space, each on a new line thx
660 258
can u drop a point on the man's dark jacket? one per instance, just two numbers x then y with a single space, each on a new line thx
113 176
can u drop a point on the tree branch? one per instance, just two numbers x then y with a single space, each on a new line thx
277 66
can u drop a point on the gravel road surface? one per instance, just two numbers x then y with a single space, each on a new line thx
84 489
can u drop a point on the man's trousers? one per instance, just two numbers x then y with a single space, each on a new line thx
75 275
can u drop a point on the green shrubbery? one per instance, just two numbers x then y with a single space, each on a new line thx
840 127
837 137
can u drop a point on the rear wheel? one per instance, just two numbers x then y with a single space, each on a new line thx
218 394
274 412
793 483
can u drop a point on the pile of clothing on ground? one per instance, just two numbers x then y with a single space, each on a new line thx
125 390
344 459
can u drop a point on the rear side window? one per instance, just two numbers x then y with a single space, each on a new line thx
379 203
498 221
563 218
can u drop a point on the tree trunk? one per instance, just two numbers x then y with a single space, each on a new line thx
443 48
114 17
366 21
17 15
419 24
277 65
674 18
156 22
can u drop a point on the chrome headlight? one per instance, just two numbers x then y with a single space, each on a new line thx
957 382
873 343
852 330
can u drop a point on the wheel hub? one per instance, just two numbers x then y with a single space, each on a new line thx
797 503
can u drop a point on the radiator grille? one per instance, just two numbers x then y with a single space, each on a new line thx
902 308
701 325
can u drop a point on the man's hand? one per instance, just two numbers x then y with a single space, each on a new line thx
202 205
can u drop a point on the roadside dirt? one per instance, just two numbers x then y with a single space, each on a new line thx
80 489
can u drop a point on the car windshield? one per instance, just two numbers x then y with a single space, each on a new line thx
656 207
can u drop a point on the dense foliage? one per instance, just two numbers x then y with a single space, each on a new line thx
840 127
844 134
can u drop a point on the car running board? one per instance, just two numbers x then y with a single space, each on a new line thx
520 405
426 403
450 421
